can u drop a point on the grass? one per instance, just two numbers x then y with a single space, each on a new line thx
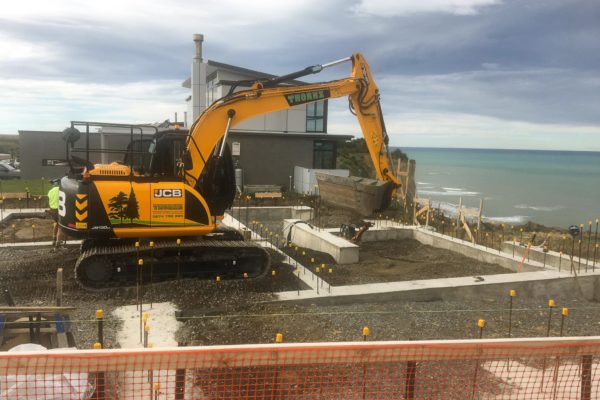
36 187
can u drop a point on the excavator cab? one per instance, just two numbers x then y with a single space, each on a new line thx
160 156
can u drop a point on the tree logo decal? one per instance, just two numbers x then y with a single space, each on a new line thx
123 207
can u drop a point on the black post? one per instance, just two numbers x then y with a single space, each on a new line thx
410 384
151 273
180 381
100 324
100 392
512 293
595 245
580 242
587 254
178 258
586 377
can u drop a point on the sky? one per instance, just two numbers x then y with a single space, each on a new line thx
452 73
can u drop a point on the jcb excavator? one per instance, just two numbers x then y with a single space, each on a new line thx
165 201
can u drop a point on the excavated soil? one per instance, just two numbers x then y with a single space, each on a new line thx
402 260
26 230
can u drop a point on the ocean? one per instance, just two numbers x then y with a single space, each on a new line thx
553 188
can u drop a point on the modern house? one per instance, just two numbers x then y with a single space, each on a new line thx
266 147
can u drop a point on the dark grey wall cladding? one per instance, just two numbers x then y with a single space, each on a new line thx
35 146
271 160
265 159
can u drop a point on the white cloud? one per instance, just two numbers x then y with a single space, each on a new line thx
434 129
50 105
15 50
394 8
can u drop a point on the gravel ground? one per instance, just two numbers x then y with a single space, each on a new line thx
30 275
232 312
390 321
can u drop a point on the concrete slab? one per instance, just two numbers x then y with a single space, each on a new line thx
305 235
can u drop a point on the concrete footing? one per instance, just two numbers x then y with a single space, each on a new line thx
280 213
551 259
305 235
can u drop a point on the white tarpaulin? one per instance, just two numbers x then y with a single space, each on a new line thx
44 386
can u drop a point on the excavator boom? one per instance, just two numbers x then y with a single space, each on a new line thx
209 133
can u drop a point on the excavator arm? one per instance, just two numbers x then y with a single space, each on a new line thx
209 133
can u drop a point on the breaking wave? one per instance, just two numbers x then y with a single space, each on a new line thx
515 219
538 208
448 193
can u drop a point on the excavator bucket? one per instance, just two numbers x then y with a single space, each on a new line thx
362 195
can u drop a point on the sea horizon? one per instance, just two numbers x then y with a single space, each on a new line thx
493 149
556 188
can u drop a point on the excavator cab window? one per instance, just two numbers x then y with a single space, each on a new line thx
167 154
138 155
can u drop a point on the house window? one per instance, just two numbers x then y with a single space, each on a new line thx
211 89
324 153
316 120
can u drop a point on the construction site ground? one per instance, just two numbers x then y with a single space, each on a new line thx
235 312
396 260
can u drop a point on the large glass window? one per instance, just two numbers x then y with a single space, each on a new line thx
316 116
324 153
211 89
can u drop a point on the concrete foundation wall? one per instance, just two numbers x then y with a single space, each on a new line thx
469 250
562 290
271 213
303 235
551 258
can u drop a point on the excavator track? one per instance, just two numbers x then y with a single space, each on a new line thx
104 266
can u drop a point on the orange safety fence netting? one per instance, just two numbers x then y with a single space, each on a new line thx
548 368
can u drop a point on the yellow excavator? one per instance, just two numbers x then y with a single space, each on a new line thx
164 203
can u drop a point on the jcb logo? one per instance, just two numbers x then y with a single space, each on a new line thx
167 193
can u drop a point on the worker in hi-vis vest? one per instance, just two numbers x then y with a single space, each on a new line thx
53 205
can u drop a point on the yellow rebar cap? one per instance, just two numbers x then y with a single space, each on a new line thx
481 323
